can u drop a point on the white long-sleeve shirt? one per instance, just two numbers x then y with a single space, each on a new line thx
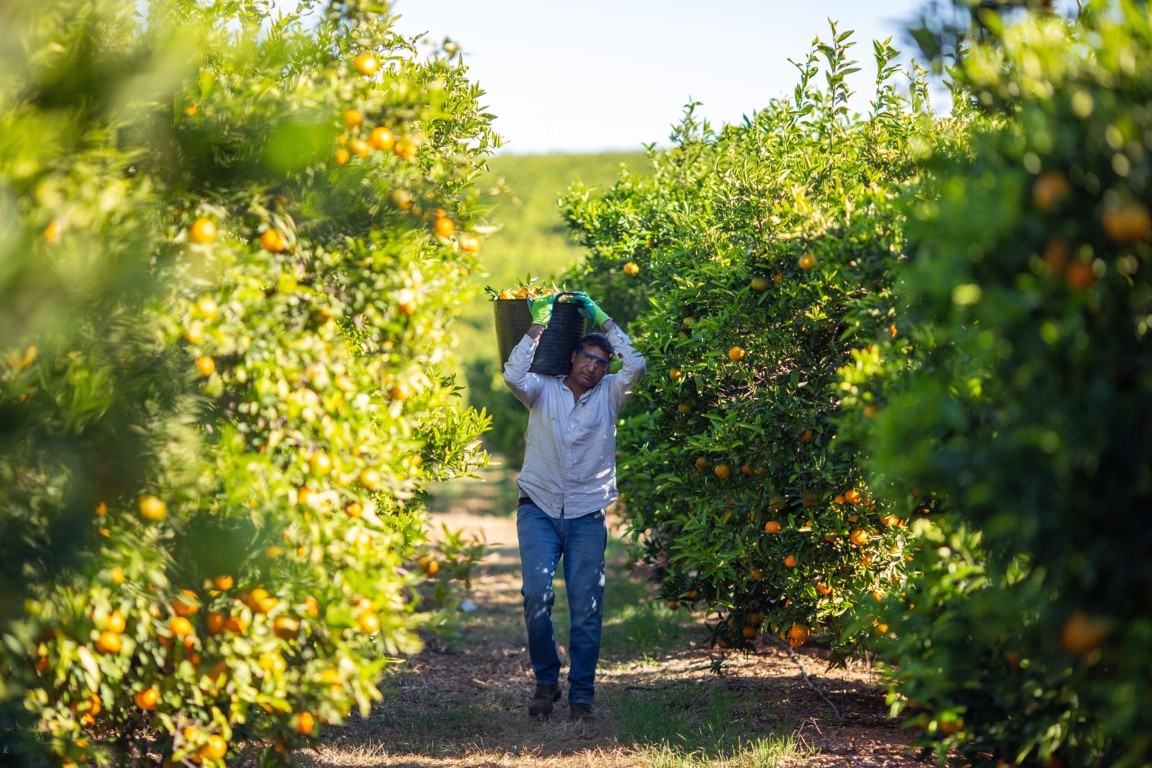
570 452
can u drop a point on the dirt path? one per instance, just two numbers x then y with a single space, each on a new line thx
461 702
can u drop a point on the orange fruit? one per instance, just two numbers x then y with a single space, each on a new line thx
207 307
1079 275
366 63
798 634
236 624
723 471
369 622
222 582
675 374
631 268
736 354
53 230
1127 222
791 561
215 622
353 118
703 464
186 603
109 642
202 231
852 496
405 149
772 526
401 198
180 626
305 722
443 227
116 623
749 632
261 601
469 243
206 365
285 627
1083 633
342 156
371 479
859 537
382 138
823 588
319 463
1049 189
759 284
1055 254
152 509
406 301
116 574
807 262
216 747
272 240
400 391
147 698
360 148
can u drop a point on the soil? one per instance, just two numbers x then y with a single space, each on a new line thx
462 700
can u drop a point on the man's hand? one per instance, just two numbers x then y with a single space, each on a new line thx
589 309
541 309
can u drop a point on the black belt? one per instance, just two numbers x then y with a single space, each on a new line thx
526 500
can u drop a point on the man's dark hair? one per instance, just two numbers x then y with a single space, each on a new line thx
597 340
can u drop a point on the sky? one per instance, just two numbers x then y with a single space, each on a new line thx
607 75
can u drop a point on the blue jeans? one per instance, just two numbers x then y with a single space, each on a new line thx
580 541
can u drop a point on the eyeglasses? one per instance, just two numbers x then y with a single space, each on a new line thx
599 363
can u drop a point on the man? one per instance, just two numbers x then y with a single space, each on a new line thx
567 482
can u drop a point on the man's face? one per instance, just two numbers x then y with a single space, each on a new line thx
589 364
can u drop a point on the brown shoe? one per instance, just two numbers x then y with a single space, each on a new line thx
543 699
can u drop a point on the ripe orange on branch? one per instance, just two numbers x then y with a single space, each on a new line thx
1127 222
366 63
798 634
152 509
271 240
1049 189
382 138
353 118
147 699
202 231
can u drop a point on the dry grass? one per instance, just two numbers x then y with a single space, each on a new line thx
461 702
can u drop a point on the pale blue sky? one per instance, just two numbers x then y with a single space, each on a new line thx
616 74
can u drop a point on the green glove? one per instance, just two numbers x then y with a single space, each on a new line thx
589 309
541 309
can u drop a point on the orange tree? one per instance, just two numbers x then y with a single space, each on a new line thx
750 264
232 245
1023 409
